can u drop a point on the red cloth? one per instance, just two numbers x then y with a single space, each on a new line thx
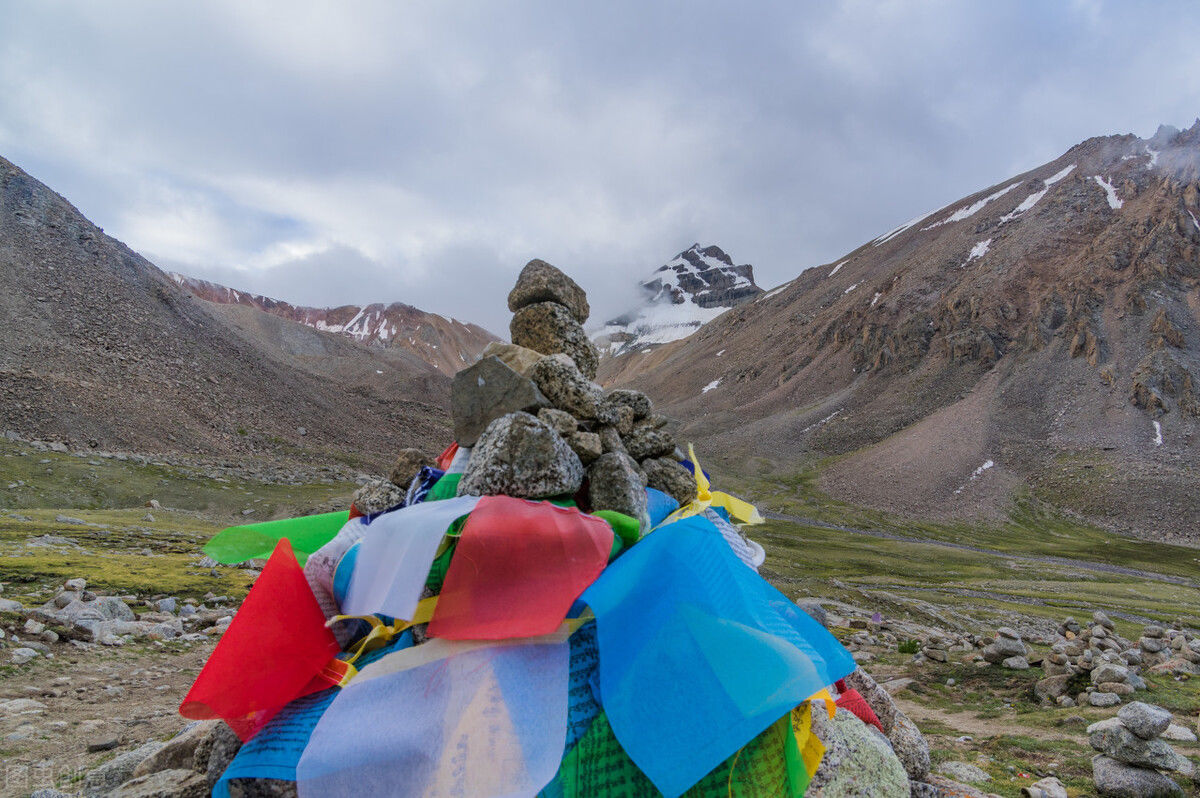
517 568
443 459
852 701
276 650
355 512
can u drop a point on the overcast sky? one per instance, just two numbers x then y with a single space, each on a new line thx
424 151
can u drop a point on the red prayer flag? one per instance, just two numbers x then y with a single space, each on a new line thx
447 456
276 650
518 567
852 701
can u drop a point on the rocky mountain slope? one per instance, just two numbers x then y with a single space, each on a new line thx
1040 337
102 349
693 288
446 344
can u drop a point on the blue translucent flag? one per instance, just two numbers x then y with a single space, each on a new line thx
698 654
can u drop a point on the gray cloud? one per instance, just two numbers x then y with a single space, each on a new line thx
424 152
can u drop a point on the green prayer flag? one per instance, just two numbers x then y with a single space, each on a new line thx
306 534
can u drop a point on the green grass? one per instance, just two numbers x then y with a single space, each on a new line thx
67 481
117 550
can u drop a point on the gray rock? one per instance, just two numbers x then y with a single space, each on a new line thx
262 788
1099 699
377 495
560 420
813 609
667 475
1101 619
619 417
1002 648
636 401
541 282
517 358
168 604
1052 687
549 328
587 445
1117 780
179 753
409 463
48 793
1015 664
216 750
519 455
1179 734
106 743
1151 645
646 442
858 761
1049 787
23 655
963 771
1109 672
8 605
110 775
1009 632
484 392
610 440
164 784
909 745
1145 720
614 484
1111 738
566 387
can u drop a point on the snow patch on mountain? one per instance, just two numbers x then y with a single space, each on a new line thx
1110 192
968 211
681 296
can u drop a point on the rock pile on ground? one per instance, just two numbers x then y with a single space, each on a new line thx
1133 761
78 617
1007 650
1111 662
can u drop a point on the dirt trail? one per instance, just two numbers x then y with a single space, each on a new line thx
1086 565
967 723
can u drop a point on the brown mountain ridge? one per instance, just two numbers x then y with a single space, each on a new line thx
1039 337
100 348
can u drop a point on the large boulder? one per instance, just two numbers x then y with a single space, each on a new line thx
667 475
1111 738
517 358
181 783
1145 720
541 282
179 753
1002 648
636 401
482 393
104 779
408 464
549 328
858 762
907 741
566 387
1117 780
377 495
520 455
614 484
648 442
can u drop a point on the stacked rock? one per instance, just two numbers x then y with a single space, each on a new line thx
1132 756
936 649
1111 661
377 495
536 423
1007 650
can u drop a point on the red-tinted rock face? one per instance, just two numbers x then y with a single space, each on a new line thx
446 344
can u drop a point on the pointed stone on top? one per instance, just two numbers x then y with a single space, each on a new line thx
541 282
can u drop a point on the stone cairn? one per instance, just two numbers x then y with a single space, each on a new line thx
1133 759
537 424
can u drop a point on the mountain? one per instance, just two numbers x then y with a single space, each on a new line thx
102 349
446 344
693 288
1039 338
